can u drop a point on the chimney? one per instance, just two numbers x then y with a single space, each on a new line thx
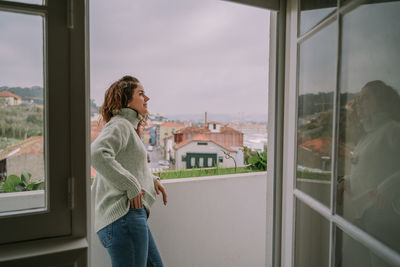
205 120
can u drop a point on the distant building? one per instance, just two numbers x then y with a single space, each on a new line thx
169 151
10 98
215 131
206 146
202 152
146 136
167 129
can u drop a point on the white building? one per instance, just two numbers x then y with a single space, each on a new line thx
202 152
10 98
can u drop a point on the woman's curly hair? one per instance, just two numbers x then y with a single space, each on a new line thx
386 97
117 96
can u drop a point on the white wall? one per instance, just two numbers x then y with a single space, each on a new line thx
212 221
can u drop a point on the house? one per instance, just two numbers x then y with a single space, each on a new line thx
208 144
10 98
202 152
215 131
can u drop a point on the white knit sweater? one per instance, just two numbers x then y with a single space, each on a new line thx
120 160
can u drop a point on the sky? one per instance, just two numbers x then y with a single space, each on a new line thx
194 56
191 56
21 50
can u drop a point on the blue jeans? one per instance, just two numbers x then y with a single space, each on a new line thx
129 242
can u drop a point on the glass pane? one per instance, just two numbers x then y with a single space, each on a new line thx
369 169
350 253
22 165
312 238
35 2
317 82
312 12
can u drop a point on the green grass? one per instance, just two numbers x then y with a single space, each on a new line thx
187 173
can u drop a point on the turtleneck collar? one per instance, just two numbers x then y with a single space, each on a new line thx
131 115
375 121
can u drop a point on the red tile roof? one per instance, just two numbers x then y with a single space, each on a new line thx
9 94
192 129
226 129
171 124
202 138
31 145
323 145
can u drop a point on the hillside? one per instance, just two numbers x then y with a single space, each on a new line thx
35 94
19 122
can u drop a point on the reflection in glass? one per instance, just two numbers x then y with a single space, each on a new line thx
369 170
350 253
35 2
22 166
312 238
312 12
317 82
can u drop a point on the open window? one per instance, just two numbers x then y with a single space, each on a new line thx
43 131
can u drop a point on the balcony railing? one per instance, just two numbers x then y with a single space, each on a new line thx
209 221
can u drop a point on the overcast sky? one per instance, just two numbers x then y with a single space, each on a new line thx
190 55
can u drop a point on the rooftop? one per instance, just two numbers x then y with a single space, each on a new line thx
9 94
202 138
31 145
172 124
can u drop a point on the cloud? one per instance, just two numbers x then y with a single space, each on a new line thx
21 49
190 55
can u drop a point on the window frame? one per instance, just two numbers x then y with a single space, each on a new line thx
290 193
64 225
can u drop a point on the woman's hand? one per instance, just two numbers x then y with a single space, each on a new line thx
160 188
137 202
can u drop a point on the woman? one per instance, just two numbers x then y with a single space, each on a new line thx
124 188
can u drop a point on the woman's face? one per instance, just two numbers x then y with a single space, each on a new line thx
139 100
367 103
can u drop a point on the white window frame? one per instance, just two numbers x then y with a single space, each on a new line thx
290 193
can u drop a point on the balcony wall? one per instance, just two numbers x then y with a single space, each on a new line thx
18 201
209 221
